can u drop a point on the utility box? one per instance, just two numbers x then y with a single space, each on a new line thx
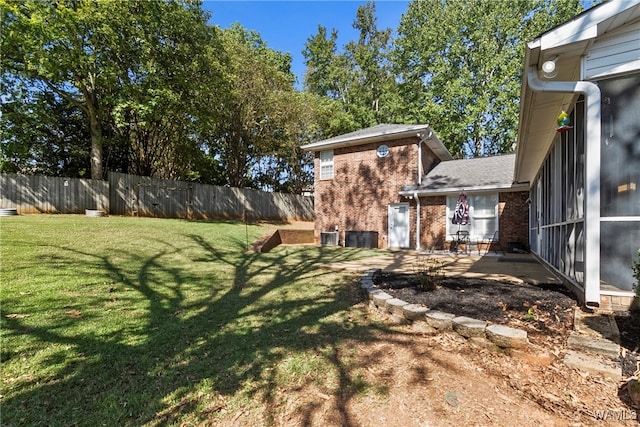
329 238
361 239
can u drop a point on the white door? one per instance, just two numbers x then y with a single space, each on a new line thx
399 225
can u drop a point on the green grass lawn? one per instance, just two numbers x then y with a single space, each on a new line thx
134 321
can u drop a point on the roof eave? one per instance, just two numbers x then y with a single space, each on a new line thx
500 188
568 43
433 142
350 141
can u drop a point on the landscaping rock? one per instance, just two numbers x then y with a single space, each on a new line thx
633 388
468 327
592 344
423 327
398 319
394 305
366 283
593 365
414 311
482 343
506 337
440 320
380 298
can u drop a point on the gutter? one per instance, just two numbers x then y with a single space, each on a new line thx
417 221
423 138
591 91
500 188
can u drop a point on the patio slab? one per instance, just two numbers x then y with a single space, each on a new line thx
516 268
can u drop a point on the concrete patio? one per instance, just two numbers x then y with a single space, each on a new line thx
507 267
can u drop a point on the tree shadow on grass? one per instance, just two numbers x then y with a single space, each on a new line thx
189 355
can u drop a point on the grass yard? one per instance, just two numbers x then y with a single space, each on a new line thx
134 321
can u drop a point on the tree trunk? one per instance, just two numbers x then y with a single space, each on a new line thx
95 155
96 146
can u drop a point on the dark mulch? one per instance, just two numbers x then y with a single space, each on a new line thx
542 310
629 326
539 309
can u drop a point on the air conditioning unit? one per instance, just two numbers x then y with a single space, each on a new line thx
329 238
361 239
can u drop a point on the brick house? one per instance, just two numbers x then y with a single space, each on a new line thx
398 184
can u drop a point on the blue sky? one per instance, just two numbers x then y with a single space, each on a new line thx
286 25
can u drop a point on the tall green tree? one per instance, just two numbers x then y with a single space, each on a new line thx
459 63
322 76
372 84
359 76
55 44
159 104
254 106
121 63
41 133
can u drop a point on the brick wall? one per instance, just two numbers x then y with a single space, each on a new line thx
433 211
513 211
363 186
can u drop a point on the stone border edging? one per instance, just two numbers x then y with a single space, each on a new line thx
422 319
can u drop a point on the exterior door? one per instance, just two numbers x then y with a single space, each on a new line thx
398 225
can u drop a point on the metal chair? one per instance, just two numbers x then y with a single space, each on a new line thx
495 240
462 238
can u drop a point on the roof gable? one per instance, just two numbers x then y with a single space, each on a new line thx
382 133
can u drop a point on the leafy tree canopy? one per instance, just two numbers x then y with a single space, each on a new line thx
150 87
459 65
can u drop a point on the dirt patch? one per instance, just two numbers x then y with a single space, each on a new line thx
397 376
545 311
401 377
629 326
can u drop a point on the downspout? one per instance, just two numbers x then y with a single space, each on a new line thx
591 91
417 220
420 141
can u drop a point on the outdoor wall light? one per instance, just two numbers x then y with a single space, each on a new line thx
549 68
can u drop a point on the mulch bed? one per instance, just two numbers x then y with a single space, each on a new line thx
538 309
629 326
545 311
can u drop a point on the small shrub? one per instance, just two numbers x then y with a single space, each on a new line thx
429 273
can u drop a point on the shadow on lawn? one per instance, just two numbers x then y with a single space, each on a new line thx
188 345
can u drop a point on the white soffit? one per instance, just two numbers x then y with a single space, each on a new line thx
591 24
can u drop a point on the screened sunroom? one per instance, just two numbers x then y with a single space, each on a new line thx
584 174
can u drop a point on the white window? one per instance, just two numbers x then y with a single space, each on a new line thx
483 216
326 164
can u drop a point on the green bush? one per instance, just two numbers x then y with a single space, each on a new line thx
429 272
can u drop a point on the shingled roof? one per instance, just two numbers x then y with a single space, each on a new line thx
477 174
382 133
